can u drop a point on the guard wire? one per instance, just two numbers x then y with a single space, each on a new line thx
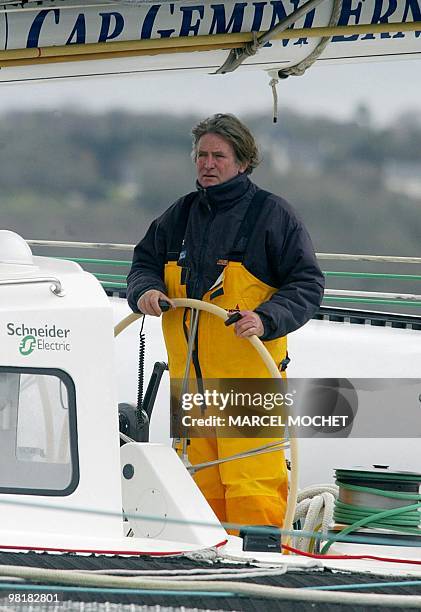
215 553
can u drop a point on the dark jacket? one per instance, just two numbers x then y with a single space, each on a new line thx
279 253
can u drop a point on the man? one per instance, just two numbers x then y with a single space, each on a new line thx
237 246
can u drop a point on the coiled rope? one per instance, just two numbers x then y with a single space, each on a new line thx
404 518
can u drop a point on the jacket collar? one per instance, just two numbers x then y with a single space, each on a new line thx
226 194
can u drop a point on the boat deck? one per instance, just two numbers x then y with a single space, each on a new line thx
308 579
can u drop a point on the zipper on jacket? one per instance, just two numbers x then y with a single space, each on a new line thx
203 244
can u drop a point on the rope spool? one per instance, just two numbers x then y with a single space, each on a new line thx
376 501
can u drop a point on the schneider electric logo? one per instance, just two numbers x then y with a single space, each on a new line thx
27 345
46 338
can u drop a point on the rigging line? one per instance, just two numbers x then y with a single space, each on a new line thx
146 517
247 528
98 512
238 55
262 450
300 68
195 468
130 247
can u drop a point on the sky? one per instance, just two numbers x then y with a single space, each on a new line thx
388 88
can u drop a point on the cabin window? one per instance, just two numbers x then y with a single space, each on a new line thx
38 436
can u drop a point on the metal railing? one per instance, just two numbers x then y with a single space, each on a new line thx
111 273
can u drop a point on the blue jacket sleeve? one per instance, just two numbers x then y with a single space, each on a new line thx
147 271
299 278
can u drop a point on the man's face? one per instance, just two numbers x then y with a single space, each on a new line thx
215 161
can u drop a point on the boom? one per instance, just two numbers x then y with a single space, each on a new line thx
67 38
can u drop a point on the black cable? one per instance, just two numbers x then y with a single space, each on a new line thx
141 376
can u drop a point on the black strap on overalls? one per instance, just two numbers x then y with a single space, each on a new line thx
245 230
247 226
174 252
179 232
243 236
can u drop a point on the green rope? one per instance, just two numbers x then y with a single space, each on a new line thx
376 518
404 519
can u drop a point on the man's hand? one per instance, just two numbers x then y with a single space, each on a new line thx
148 302
250 324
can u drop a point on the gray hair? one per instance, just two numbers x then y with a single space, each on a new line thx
233 131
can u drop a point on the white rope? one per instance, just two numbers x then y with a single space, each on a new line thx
311 522
300 68
302 509
273 83
329 502
213 555
315 505
310 596
198 574
317 489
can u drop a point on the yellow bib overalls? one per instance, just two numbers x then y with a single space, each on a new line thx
248 491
